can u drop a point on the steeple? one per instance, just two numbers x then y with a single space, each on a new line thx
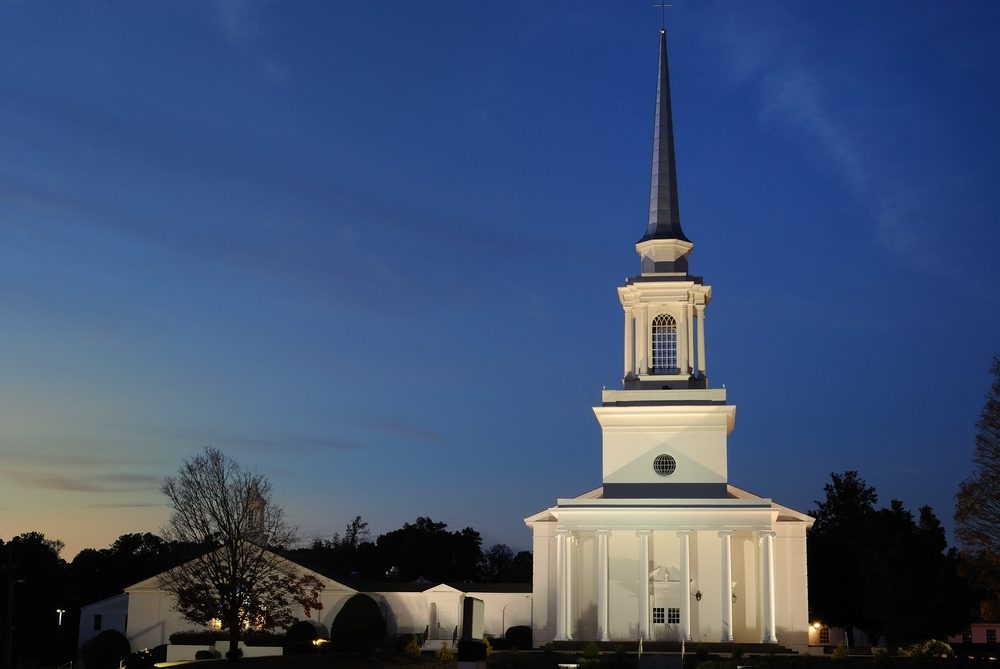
664 306
664 248
664 210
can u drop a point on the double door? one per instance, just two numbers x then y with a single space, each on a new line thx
665 611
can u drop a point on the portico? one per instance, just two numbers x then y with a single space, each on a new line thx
659 575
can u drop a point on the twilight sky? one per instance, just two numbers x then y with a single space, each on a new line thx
371 248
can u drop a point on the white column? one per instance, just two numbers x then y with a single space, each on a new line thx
641 340
629 342
682 346
561 584
690 337
701 340
767 585
570 552
644 583
602 584
685 536
727 585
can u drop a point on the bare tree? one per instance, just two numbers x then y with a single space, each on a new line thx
977 504
240 580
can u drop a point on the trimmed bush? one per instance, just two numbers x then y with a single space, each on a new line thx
412 649
519 637
359 625
445 653
106 650
299 638
262 638
198 637
929 648
207 655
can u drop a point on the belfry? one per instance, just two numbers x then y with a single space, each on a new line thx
666 549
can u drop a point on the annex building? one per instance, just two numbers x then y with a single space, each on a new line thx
666 549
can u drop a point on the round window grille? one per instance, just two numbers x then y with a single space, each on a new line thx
664 465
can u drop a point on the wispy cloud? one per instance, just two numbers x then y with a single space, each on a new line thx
34 459
41 480
196 437
796 95
394 426
241 23
123 505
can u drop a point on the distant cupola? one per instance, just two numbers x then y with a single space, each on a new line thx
664 248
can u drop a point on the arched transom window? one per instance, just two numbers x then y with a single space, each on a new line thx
664 345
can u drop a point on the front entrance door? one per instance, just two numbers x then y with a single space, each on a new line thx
665 611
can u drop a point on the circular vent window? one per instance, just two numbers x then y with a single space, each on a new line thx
664 465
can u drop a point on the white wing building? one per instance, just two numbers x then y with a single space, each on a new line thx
666 549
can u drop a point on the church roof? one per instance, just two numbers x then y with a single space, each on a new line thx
737 496
664 210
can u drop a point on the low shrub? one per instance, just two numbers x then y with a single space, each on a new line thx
591 651
359 625
412 649
207 655
299 638
839 653
519 636
106 650
198 637
444 653
928 648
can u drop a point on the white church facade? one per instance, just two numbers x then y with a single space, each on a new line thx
666 549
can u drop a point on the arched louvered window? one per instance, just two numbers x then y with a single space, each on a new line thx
665 345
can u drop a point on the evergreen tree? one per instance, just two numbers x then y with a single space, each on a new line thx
881 570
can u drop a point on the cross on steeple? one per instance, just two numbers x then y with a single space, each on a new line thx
663 14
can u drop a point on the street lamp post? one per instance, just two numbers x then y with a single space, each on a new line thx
10 620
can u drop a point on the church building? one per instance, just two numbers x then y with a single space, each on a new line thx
666 549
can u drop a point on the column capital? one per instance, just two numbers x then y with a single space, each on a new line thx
643 533
766 533
602 533
726 533
685 533
562 531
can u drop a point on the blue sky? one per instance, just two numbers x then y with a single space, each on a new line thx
371 249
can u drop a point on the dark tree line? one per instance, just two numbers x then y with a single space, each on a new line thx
43 583
423 549
882 570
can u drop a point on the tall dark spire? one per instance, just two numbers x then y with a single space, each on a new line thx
664 210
